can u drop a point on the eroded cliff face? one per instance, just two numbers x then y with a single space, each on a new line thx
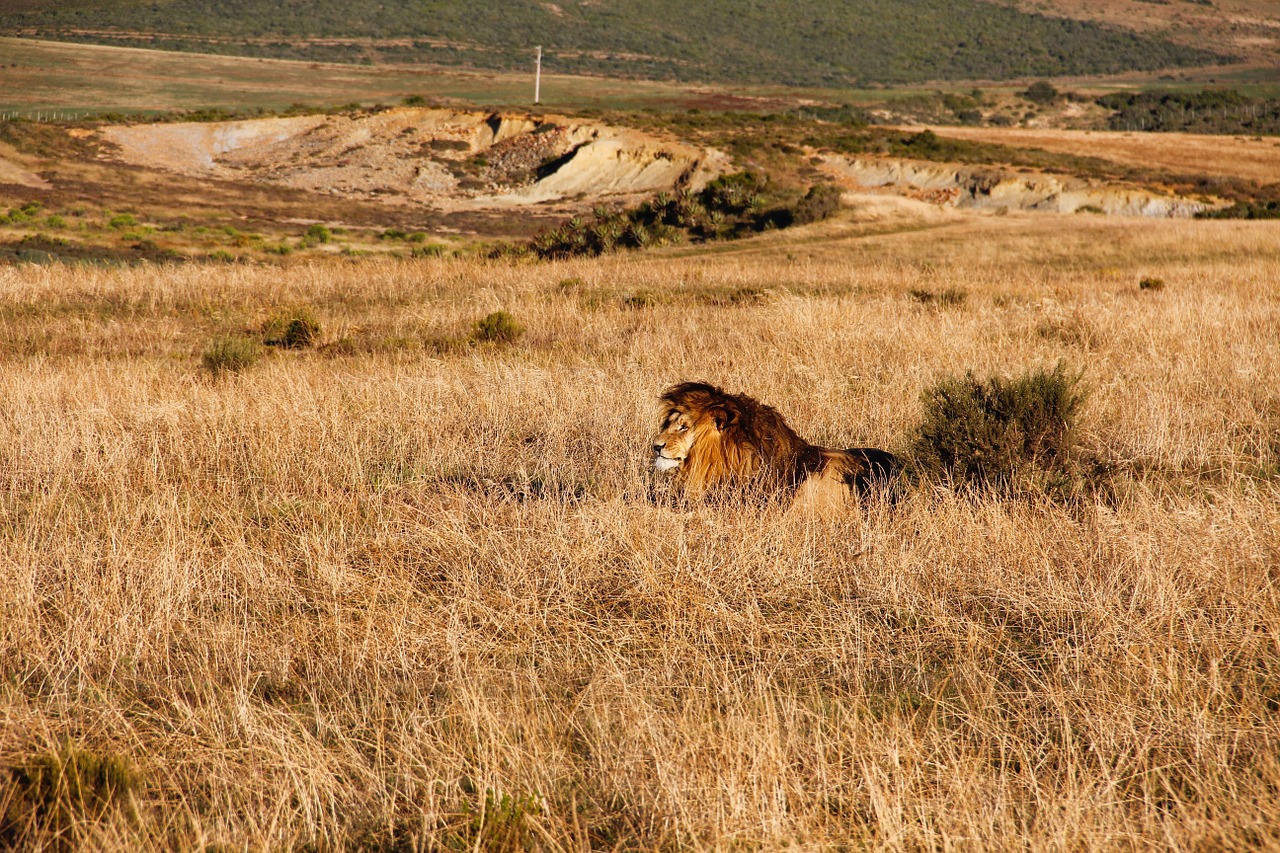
993 188
445 158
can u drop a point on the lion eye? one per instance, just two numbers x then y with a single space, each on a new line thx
682 428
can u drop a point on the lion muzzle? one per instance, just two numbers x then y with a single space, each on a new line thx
662 464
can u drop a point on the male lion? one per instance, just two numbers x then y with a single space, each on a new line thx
712 439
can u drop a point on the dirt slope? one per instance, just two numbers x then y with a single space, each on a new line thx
446 159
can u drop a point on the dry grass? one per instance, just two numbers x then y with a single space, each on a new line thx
1251 158
410 592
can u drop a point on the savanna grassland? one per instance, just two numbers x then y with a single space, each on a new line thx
403 588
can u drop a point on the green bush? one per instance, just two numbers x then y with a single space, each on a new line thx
122 220
319 233
498 327
51 792
822 201
996 432
292 329
430 250
231 354
1041 93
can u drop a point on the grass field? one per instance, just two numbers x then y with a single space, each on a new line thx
400 590
51 76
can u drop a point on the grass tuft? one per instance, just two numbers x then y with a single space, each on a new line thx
498 327
296 329
231 354
53 792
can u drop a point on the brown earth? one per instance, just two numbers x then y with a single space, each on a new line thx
446 160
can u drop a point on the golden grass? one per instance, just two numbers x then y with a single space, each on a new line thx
1251 158
335 600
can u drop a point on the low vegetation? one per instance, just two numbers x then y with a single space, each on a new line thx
884 41
56 795
1219 110
231 354
727 208
998 433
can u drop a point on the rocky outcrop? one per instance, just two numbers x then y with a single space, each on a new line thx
994 189
449 159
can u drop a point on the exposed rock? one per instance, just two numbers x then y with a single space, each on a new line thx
445 158
993 189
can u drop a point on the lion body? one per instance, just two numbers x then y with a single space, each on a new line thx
711 440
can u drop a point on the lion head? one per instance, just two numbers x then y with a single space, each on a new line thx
707 437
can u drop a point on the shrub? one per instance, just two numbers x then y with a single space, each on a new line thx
292 329
52 791
231 354
498 327
1041 93
430 250
992 433
122 220
821 202
55 221
1151 283
319 233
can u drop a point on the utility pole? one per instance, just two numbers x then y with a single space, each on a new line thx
537 79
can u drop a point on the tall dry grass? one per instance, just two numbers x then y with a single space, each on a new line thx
408 592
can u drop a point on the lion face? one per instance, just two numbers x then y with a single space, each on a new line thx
675 437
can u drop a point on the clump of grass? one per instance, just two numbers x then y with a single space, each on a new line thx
295 329
122 220
51 792
319 233
951 297
503 825
498 327
994 432
231 354
1075 330
1151 283
430 250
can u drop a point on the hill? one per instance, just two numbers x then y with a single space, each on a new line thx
822 42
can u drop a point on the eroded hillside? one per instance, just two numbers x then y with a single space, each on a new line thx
444 159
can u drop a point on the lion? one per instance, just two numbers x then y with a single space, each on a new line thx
709 440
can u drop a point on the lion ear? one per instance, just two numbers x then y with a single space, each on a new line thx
724 416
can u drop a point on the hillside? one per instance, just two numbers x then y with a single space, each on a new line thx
822 43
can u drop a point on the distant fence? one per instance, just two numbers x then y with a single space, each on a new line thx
39 115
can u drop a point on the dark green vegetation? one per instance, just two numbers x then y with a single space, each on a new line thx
729 207
823 43
999 433
1209 111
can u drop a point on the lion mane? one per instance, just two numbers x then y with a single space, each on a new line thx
710 439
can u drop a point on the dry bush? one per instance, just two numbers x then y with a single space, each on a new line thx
416 598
